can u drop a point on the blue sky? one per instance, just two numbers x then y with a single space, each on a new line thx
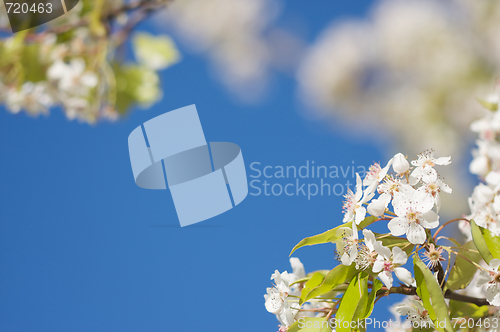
82 248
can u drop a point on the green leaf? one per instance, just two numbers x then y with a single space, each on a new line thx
311 324
486 242
331 235
316 280
354 303
155 52
432 296
488 105
135 84
309 275
377 284
463 271
460 309
30 60
320 284
96 25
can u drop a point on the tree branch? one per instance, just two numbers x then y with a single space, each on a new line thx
449 294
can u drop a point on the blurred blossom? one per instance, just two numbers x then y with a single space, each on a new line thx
408 70
76 62
234 34
408 66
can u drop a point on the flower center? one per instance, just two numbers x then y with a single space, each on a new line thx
388 266
413 216
374 170
349 204
428 162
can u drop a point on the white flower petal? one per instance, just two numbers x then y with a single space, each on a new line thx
430 220
399 257
386 278
405 276
360 215
398 226
378 265
416 233
443 161
483 278
494 264
297 267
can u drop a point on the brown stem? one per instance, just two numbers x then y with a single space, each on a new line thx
445 224
449 294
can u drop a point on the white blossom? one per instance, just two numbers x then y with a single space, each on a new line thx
347 245
413 217
72 78
377 207
491 279
416 313
376 174
353 204
276 299
387 263
425 163
430 189
400 164
367 254
33 97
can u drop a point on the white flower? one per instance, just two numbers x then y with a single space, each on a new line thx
425 163
367 251
493 179
393 186
282 281
298 273
412 218
430 188
376 174
347 245
275 300
276 296
377 207
72 78
286 316
298 268
397 325
387 263
353 205
416 313
33 97
491 279
480 165
483 194
400 164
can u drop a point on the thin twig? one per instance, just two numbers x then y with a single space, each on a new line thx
445 224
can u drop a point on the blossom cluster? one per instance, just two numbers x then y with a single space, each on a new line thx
282 298
406 197
77 66
484 202
413 190
406 62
